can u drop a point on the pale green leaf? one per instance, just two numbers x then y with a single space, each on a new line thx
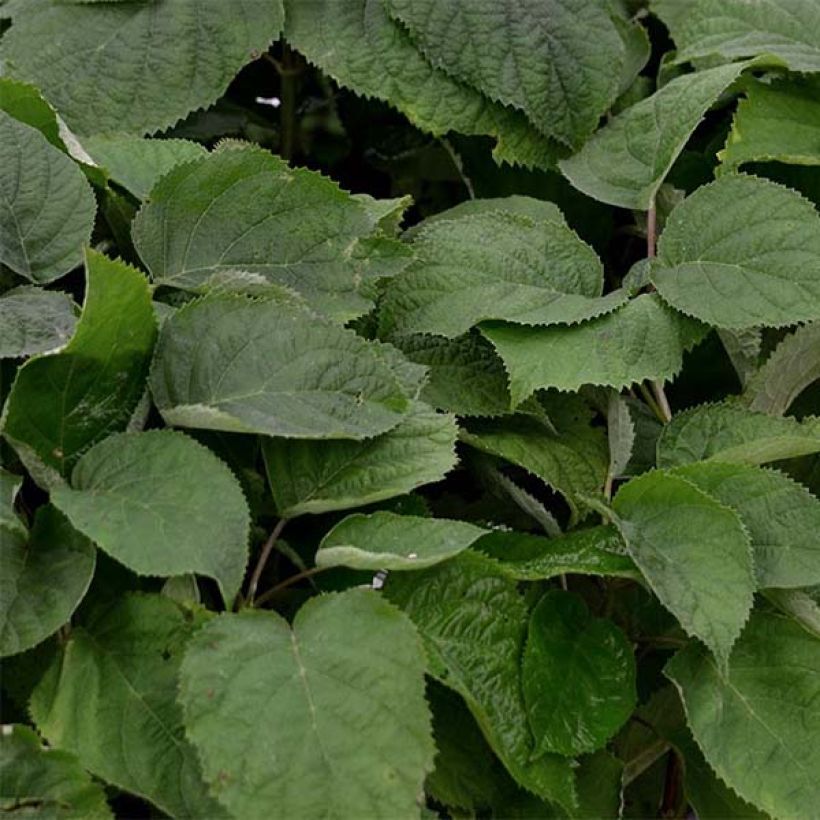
741 252
384 540
733 434
162 504
758 725
9 487
110 698
245 366
136 67
644 339
620 434
327 719
578 676
693 551
792 367
781 517
799 606
34 321
743 349
62 404
46 205
385 214
473 622
40 782
626 161
25 103
557 60
498 265
45 576
315 477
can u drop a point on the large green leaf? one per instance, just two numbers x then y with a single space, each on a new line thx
136 66
245 213
162 504
733 434
46 205
25 103
327 719
62 404
693 551
758 725
315 477
626 161
34 321
40 782
496 265
384 540
110 698
741 252
578 676
245 366
644 339
557 60
781 517
473 622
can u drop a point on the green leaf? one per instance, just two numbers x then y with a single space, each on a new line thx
42 782
243 211
161 504
9 487
495 266
358 45
384 540
758 725
620 434
733 434
473 622
62 404
46 205
781 517
315 477
791 368
578 676
137 164
741 252
799 606
25 103
110 698
644 339
693 551
572 460
125 60
557 60
627 160
232 363
34 321
345 678
45 576
778 121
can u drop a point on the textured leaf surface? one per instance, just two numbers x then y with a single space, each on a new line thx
34 321
62 404
244 210
45 782
110 698
384 540
45 576
473 622
733 434
496 266
626 161
25 103
161 504
46 205
315 477
231 363
741 252
578 676
781 517
642 340
344 678
558 60
621 434
117 66
693 551
758 726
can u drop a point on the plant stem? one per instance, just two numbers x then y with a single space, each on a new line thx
263 559
663 402
673 802
459 166
653 405
305 573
